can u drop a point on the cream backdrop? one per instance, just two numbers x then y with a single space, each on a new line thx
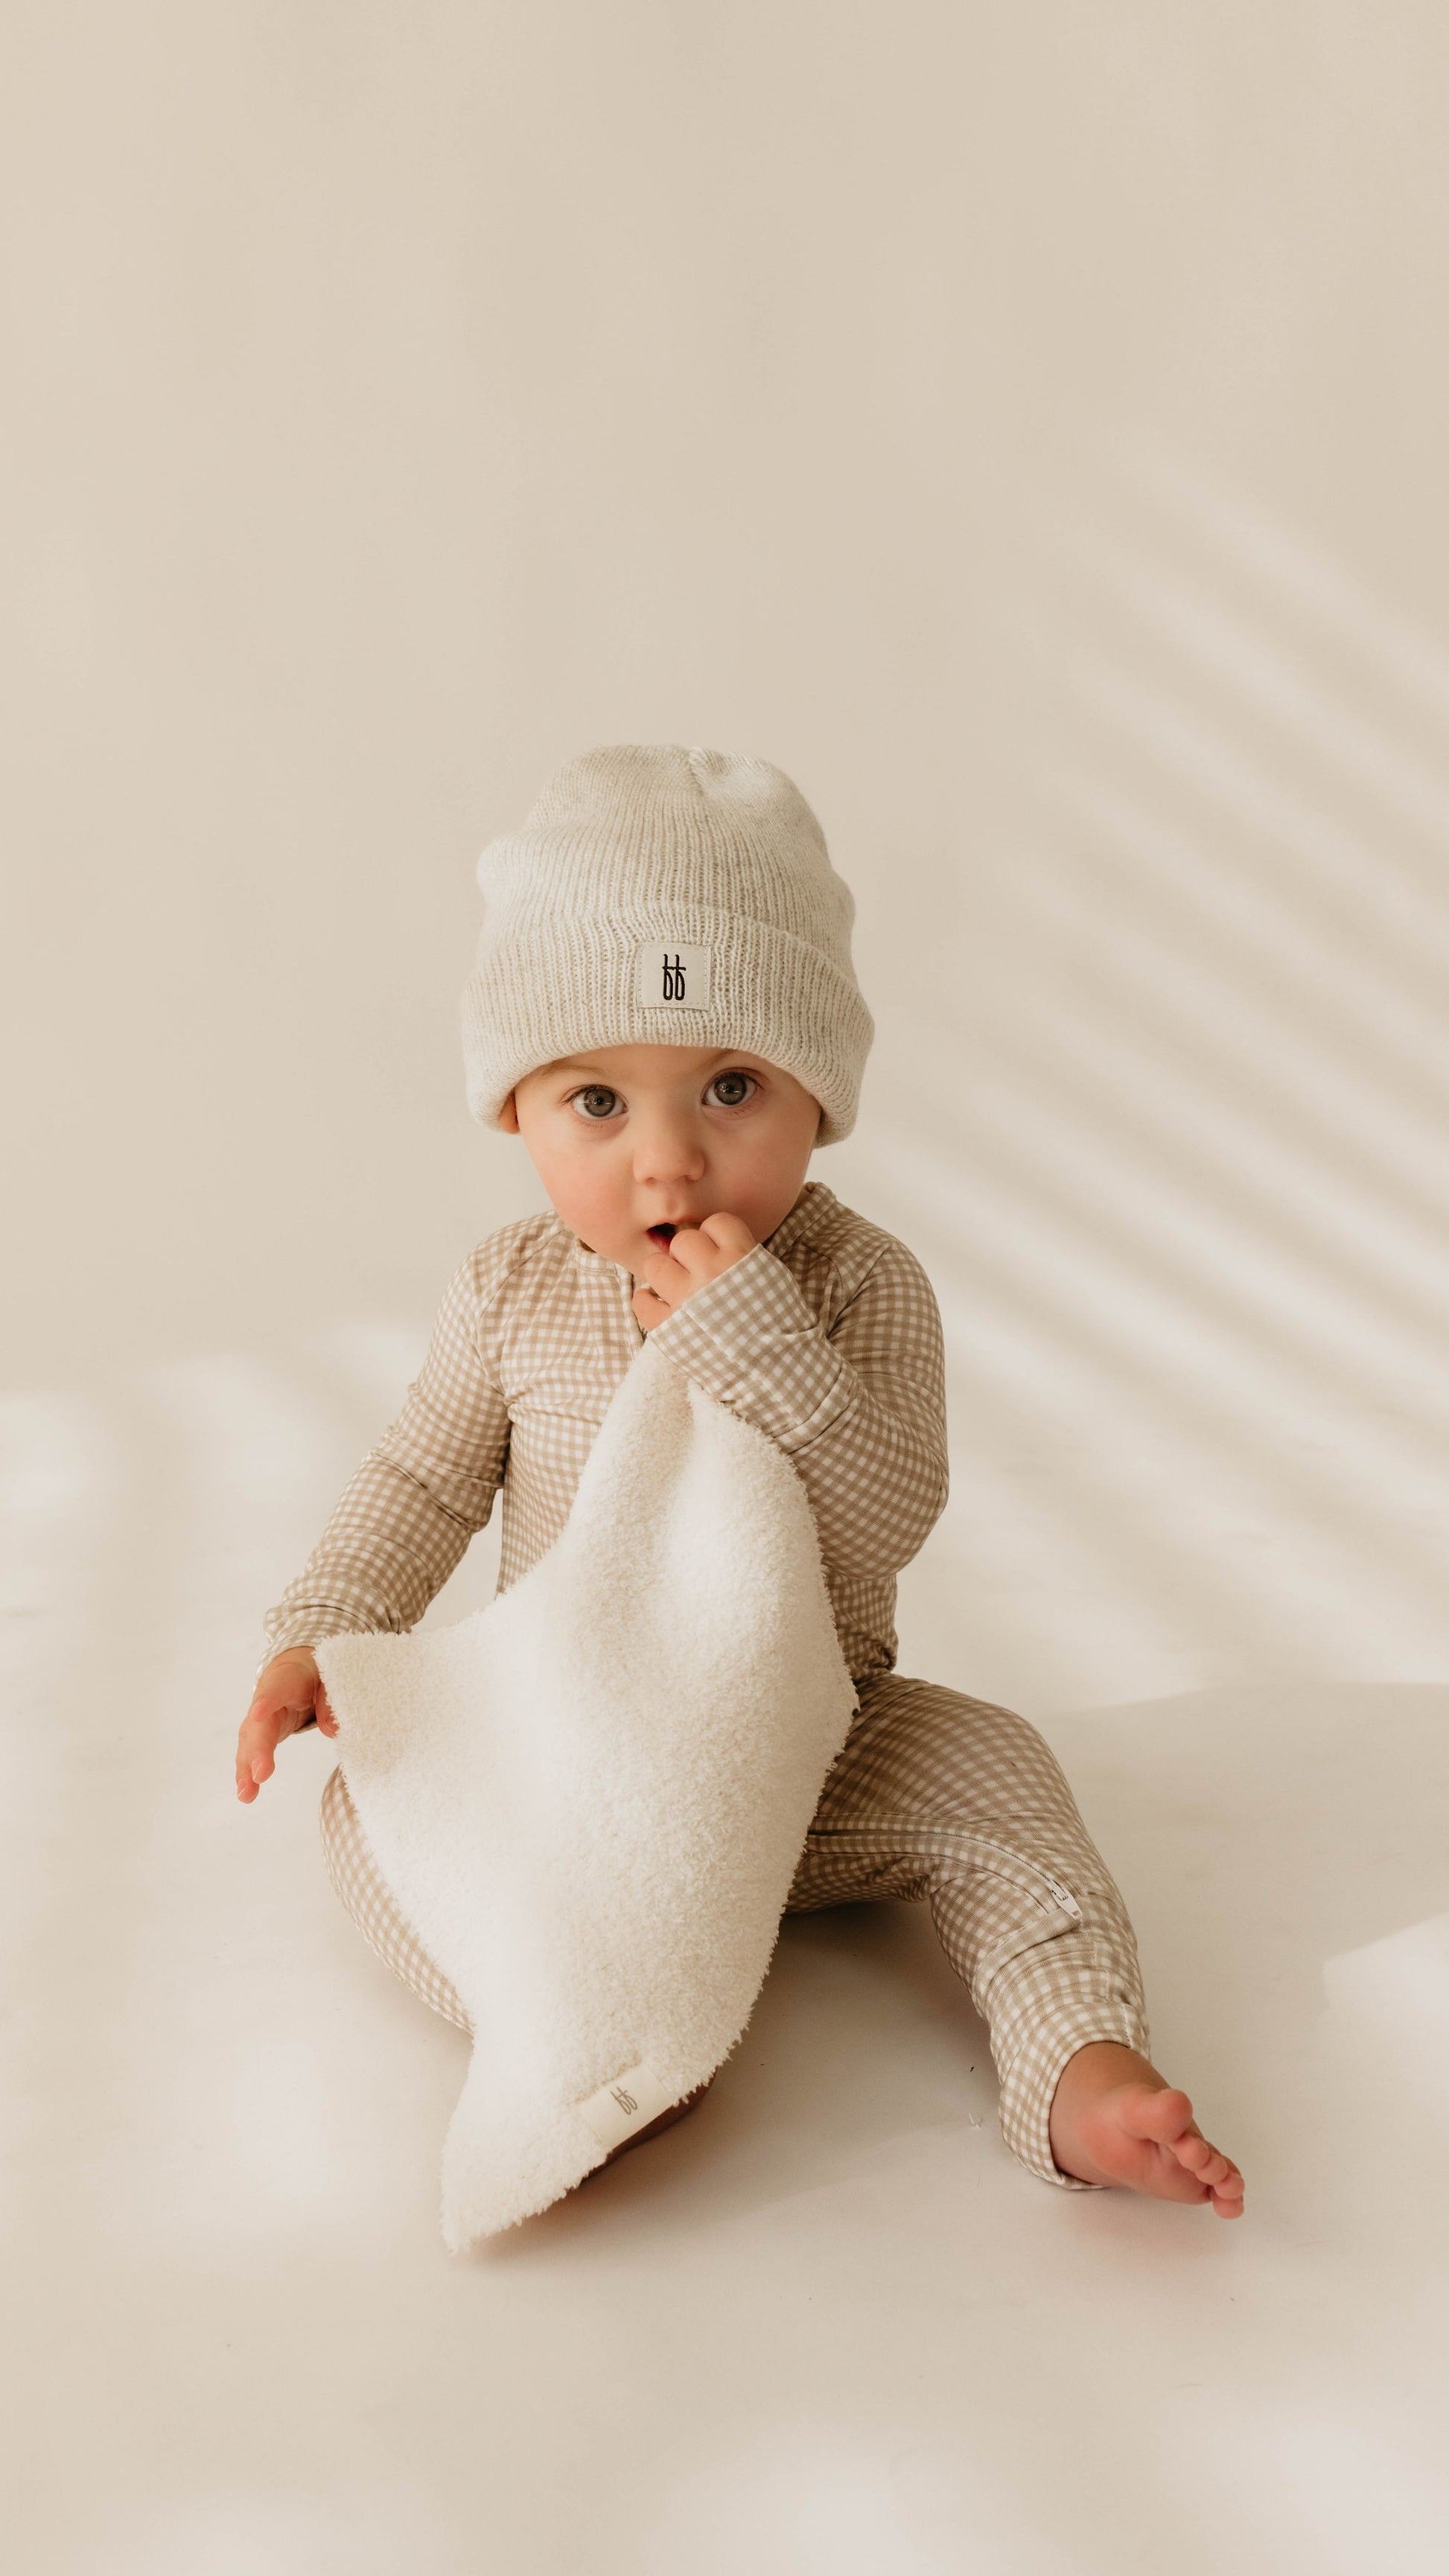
1025 425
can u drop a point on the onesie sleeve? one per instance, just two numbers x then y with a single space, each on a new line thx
406 1516
860 1407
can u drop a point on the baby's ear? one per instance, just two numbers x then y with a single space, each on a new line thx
508 1117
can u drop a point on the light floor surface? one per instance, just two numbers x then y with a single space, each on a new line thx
826 2324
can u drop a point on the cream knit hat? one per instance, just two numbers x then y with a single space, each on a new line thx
664 895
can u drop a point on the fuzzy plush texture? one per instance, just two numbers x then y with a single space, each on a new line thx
589 1798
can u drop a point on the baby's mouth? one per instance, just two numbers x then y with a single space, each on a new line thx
661 1234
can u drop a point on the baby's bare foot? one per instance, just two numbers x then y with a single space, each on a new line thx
1114 2119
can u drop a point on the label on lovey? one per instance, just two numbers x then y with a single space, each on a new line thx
619 2109
672 975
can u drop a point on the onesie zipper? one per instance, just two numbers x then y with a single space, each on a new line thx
1055 1901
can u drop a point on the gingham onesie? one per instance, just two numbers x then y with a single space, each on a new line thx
828 1338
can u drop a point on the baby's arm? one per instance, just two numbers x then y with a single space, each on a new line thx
398 1529
861 1409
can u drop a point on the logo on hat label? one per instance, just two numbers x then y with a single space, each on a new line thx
672 975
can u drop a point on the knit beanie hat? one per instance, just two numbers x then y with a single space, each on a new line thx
664 895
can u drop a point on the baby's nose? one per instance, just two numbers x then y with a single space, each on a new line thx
667 1154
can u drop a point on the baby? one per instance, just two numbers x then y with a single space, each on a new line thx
664 1009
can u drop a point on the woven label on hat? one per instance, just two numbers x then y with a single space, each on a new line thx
617 2110
672 975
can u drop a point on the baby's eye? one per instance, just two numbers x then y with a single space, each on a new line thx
595 1101
731 1090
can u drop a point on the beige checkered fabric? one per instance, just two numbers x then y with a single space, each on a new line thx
934 1796
828 1339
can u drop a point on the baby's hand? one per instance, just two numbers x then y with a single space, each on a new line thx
691 1258
290 1686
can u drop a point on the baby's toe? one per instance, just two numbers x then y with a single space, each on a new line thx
1223 2182
1161 2115
1206 2162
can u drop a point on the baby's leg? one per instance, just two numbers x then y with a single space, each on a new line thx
369 1900
962 1802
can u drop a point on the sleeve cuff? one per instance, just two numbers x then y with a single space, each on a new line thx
750 1340
1030 2082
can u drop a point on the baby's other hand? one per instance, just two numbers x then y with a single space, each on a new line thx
286 1693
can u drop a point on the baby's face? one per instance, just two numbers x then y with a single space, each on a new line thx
632 1141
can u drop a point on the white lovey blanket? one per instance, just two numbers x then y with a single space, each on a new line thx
589 1798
